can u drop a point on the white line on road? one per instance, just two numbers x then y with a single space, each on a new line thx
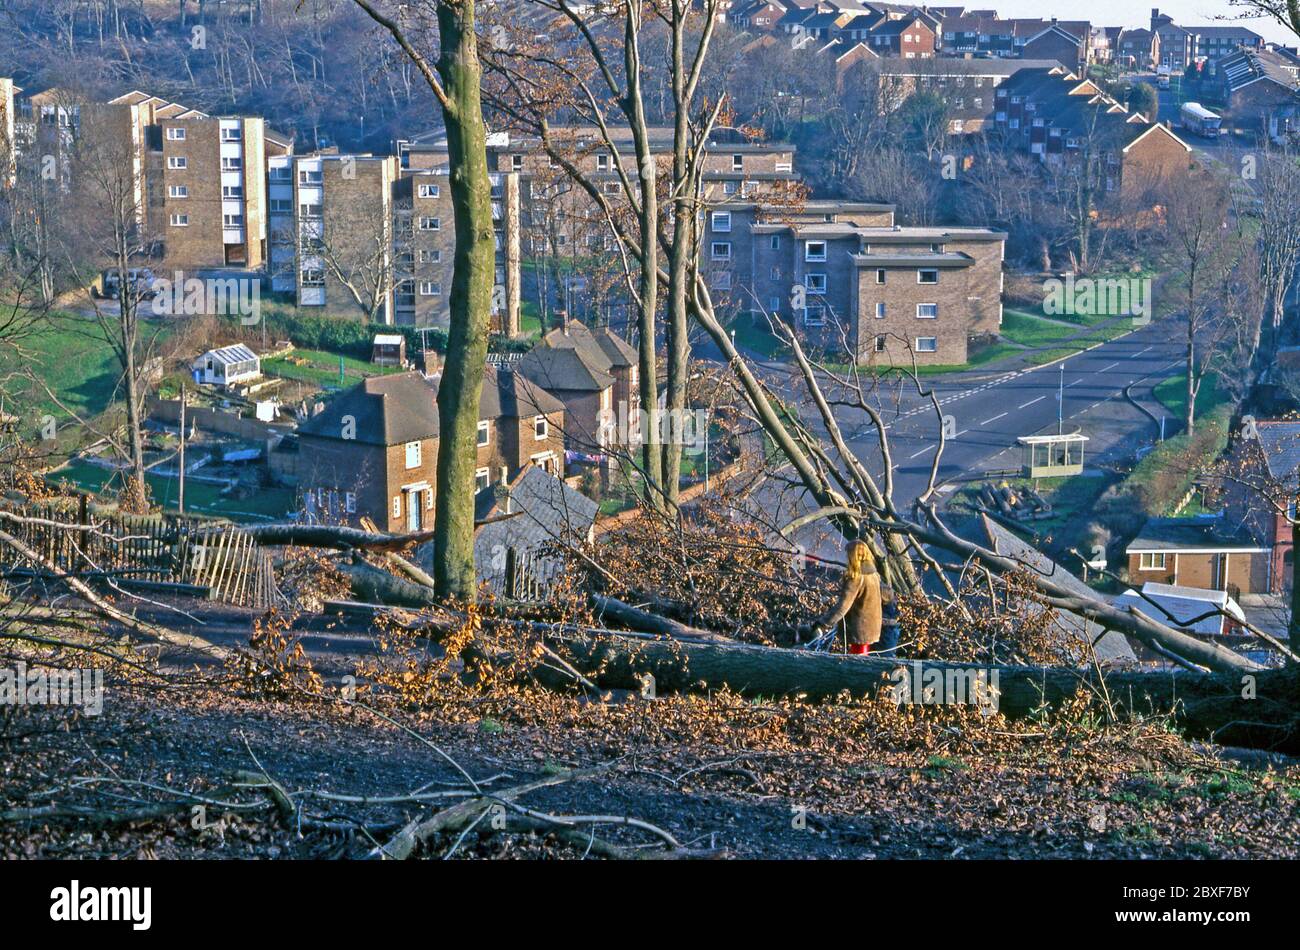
1139 352
1031 402
1079 380
994 419
1110 367
922 452
961 433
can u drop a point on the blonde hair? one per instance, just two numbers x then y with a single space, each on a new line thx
861 560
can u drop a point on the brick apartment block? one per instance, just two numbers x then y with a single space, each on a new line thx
845 277
555 213
356 235
373 451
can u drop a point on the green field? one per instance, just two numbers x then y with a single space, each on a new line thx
72 358
267 504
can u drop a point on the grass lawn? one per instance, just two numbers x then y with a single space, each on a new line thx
73 359
1029 330
757 338
1172 392
268 504
322 368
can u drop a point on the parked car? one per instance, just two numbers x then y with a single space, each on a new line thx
139 279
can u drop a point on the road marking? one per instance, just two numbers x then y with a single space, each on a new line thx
1110 367
961 433
922 452
994 419
1079 380
1139 352
1031 402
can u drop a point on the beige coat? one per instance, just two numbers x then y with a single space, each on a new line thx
858 606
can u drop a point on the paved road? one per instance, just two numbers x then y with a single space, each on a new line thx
988 413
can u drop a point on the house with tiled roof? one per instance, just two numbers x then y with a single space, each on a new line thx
372 450
595 374
1210 552
1259 91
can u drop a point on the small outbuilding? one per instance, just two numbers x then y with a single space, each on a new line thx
1211 612
389 350
227 366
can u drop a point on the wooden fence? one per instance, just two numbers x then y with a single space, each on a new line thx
220 561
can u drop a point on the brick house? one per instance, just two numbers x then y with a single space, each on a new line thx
909 37
1138 49
1067 42
1206 552
595 374
1261 494
1256 87
372 452
843 273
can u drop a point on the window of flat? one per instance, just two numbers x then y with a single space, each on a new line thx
815 251
927 344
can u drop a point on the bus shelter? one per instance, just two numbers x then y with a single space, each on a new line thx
1049 456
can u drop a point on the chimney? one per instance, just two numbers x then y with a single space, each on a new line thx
431 362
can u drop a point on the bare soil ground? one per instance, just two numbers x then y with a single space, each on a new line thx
736 777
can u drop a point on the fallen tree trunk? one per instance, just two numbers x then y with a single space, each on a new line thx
1256 710
643 620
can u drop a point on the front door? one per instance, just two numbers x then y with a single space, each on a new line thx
413 510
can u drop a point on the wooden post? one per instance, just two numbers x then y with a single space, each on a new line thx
180 495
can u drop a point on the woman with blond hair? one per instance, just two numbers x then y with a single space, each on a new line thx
858 606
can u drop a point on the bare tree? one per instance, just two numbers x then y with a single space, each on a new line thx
455 78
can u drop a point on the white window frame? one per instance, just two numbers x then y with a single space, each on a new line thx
541 428
932 315
934 348
414 454
177 162
175 133
180 221
815 283
430 288
178 191
397 506
808 254
482 478
724 255
721 222
484 433
927 270
429 223
430 191
1147 561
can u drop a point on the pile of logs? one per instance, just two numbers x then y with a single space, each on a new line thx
1024 504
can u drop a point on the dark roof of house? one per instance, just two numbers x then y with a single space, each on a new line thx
1112 647
383 410
895 27
563 368
1280 443
1200 533
954 66
402 407
1247 65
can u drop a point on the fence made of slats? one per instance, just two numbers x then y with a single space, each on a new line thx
221 561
